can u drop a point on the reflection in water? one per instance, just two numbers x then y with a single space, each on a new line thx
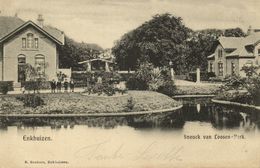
202 110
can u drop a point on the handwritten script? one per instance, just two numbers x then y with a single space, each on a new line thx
99 152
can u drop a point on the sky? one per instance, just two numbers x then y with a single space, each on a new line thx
105 21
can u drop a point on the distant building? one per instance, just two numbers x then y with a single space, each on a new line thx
232 53
103 62
27 42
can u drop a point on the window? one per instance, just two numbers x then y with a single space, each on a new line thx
220 69
233 68
21 59
220 53
21 68
211 67
30 40
40 65
259 51
36 43
23 42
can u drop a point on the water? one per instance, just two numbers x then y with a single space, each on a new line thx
227 136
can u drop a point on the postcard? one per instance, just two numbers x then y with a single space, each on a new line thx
129 84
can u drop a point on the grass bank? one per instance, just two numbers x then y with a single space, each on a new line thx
76 103
197 89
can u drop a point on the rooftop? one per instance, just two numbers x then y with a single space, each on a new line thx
10 24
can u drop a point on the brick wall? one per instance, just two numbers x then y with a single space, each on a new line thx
13 47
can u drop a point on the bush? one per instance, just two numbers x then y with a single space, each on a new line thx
134 83
168 88
235 96
30 85
6 86
35 85
140 80
204 76
129 105
253 88
125 76
109 90
100 88
31 100
81 77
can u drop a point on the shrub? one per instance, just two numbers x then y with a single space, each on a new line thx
7 106
129 105
234 82
156 80
35 85
108 89
6 86
81 77
204 76
134 83
100 88
253 88
235 96
168 88
140 80
31 100
31 85
125 76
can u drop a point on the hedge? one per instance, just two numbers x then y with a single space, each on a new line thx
204 76
6 86
36 85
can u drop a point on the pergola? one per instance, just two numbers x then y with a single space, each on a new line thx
89 63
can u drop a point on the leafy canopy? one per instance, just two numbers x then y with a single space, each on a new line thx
159 41
165 38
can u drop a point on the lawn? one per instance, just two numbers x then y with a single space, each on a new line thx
78 103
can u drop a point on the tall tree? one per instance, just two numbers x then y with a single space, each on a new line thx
203 43
159 41
73 52
234 32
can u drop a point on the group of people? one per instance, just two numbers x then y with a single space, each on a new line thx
58 85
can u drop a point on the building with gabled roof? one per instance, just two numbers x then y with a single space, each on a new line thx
31 43
232 53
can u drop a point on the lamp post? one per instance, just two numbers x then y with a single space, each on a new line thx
171 69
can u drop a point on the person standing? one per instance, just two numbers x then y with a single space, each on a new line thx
71 85
53 86
59 86
65 84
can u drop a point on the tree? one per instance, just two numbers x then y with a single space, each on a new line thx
203 43
200 45
159 41
236 32
73 52
250 70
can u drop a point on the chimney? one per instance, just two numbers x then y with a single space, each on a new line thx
40 20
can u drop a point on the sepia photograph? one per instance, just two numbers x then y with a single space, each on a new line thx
129 84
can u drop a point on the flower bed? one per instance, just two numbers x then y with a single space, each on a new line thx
76 103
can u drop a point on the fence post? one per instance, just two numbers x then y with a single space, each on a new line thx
198 76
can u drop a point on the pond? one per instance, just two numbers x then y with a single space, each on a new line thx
201 133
